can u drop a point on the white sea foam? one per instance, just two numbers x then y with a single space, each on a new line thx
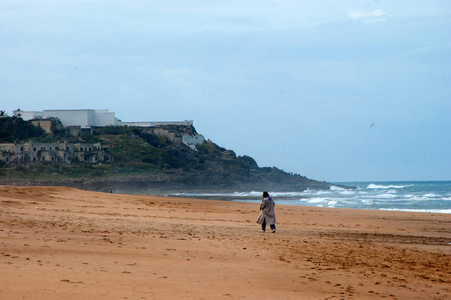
317 200
425 198
385 196
286 194
308 193
336 188
347 192
332 203
376 186
431 195
254 193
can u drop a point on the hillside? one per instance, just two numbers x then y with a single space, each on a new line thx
146 163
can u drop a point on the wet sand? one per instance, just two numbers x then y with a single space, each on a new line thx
64 243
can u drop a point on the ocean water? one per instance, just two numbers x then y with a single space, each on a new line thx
414 196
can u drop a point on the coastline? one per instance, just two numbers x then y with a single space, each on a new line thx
59 242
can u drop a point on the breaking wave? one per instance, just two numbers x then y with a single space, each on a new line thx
376 186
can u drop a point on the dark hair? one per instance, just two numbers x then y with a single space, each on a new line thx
265 195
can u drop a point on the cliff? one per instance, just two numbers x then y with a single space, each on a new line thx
148 163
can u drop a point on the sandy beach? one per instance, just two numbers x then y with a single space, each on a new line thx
65 243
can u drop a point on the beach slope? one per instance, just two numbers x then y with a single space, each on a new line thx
65 243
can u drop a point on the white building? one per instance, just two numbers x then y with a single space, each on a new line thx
74 117
29 115
193 140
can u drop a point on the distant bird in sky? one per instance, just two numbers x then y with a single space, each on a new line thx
372 125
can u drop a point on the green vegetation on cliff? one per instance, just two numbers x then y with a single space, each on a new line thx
142 160
134 152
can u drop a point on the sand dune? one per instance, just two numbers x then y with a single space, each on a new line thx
64 243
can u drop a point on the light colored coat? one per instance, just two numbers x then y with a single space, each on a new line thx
267 208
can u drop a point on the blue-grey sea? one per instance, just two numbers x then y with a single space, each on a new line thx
414 196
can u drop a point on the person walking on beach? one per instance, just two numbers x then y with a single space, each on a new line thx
267 215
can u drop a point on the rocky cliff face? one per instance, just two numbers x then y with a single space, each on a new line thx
173 168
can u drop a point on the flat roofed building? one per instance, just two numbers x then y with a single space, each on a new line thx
29 115
83 117
74 117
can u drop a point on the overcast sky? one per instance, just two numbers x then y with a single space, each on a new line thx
352 90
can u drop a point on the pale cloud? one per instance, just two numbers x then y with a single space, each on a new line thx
370 17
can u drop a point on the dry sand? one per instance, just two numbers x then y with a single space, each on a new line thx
64 243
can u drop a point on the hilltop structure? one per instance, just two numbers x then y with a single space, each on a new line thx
87 122
88 118
85 118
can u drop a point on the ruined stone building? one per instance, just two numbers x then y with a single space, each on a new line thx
20 153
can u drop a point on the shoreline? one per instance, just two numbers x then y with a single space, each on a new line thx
59 242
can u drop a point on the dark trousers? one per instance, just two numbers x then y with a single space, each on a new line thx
273 226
